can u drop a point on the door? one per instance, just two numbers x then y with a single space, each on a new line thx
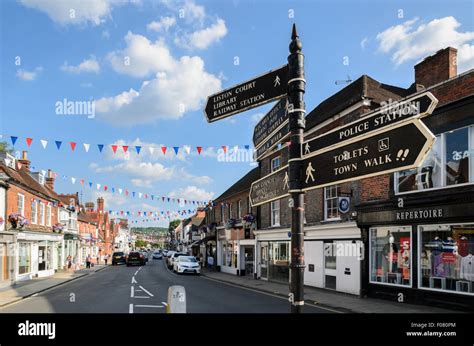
42 258
248 258
3 262
314 258
330 266
348 267
264 257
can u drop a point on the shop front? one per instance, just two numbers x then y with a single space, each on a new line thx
7 263
273 255
421 254
72 246
38 254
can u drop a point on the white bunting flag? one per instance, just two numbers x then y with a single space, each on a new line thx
73 180
152 150
187 149
236 148
139 195
43 172
120 191
86 147
44 143
98 186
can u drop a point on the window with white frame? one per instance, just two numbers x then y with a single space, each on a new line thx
48 215
222 212
34 212
331 194
275 213
239 209
21 204
448 163
41 215
275 164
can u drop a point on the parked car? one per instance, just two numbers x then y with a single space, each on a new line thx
186 264
135 258
145 254
118 257
157 255
165 252
168 257
173 258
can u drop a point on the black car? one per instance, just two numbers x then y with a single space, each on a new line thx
118 257
135 258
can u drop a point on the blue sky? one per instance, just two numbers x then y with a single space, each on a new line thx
186 50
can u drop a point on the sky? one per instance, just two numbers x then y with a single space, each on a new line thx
147 67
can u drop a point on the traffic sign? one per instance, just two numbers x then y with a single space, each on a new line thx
403 146
390 113
273 120
270 188
276 138
250 94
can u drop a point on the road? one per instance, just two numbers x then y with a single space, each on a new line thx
121 289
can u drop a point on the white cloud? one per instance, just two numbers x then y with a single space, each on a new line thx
192 193
408 42
162 25
105 34
179 86
76 11
87 65
364 42
202 39
29 75
255 118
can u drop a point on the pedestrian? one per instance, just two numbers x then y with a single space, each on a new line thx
98 259
106 259
69 262
88 261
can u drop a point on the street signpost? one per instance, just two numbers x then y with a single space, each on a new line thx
399 147
279 136
250 94
270 188
274 119
389 114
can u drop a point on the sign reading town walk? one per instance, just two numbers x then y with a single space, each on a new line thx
402 146
276 138
250 94
272 187
390 113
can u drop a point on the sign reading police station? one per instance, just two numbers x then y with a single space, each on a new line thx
400 147
250 94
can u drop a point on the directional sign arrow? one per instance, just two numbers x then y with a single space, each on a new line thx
270 122
403 146
390 113
276 138
272 187
250 94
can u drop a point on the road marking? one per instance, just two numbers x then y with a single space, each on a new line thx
149 306
136 273
165 304
131 291
130 309
151 295
34 295
139 268
269 294
133 280
141 297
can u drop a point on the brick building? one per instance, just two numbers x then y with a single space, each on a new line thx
418 225
105 226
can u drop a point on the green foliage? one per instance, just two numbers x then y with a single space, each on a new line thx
5 148
140 243
174 224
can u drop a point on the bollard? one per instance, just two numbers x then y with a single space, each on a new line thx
176 300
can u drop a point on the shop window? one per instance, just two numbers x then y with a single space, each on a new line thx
275 163
447 258
24 258
390 255
331 195
275 213
279 260
448 163
34 212
21 204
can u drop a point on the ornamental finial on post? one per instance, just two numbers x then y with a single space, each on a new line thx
295 45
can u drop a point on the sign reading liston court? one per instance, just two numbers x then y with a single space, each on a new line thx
250 94
390 113
403 146
272 187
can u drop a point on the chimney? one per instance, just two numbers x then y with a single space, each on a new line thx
100 204
49 181
437 68
24 160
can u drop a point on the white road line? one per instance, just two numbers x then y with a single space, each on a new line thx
139 268
149 306
269 294
130 309
141 297
136 273
133 280
34 295
165 304
151 295
131 291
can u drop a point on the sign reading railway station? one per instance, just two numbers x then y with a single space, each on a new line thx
398 148
272 187
250 94
389 114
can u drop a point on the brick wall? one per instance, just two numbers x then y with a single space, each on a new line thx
375 188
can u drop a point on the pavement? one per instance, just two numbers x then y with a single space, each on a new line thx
144 289
24 289
325 298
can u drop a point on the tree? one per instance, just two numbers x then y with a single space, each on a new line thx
140 243
5 148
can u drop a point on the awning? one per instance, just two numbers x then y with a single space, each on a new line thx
204 240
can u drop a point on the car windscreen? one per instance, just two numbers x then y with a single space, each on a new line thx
118 253
187 259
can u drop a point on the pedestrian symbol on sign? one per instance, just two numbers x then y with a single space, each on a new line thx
277 81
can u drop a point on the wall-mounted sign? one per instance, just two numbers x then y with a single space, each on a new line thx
344 204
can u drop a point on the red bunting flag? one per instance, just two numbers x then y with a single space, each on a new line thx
114 148
224 147
199 150
125 148
82 182
105 188
29 141
126 192
73 145
163 149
